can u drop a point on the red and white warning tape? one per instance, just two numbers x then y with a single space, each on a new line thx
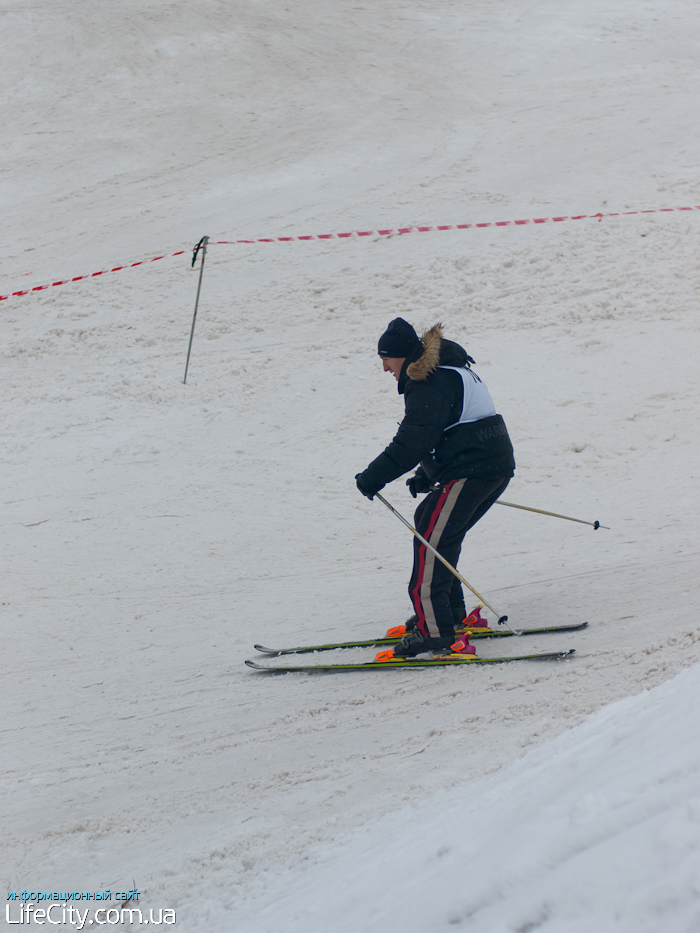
90 275
492 223
360 233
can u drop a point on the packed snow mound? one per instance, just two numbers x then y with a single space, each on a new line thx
598 829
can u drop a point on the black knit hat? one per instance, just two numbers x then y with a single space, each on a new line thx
398 339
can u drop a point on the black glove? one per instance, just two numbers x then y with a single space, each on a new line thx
419 482
366 486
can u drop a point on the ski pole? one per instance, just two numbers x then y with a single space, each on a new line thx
501 619
203 246
512 505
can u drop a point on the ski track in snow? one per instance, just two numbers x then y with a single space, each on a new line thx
153 531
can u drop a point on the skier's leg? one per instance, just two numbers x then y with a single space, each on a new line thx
486 504
459 609
429 587
426 506
445 519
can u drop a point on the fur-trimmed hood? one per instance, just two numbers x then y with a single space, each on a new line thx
429 360
435 351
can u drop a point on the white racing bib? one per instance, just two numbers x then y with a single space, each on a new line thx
477 403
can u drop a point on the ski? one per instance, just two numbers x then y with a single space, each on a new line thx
446 661
474 633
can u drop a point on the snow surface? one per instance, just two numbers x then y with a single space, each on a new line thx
154 531
598 829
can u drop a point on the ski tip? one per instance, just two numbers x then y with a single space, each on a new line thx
265 650
259 667
269 670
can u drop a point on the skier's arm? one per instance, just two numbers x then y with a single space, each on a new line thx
427 416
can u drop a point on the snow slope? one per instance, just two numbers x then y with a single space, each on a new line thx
153 531
596 829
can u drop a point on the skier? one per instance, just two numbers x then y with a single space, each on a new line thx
465 461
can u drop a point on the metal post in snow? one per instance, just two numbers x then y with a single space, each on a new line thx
203 246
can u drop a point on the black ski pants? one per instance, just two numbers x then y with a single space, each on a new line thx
443 518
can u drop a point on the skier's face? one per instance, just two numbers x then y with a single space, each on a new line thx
393 364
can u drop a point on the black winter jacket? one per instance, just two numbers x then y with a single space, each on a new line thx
434 399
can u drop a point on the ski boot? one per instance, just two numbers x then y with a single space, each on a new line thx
462 646
398 631
474 622
415 643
